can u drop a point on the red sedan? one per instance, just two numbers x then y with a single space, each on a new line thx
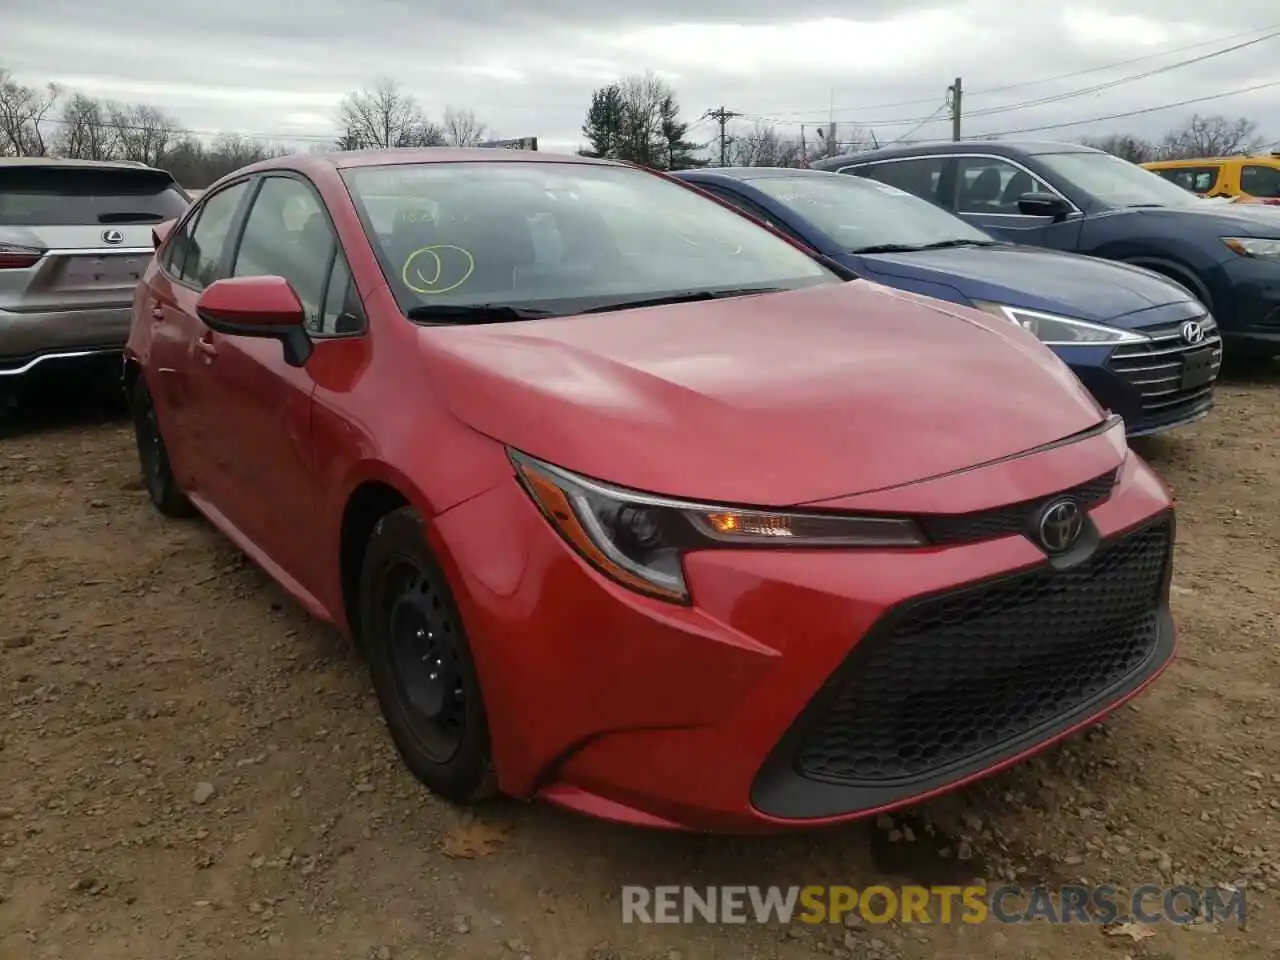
634 505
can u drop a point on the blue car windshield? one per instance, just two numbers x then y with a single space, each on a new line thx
863 214
1116 182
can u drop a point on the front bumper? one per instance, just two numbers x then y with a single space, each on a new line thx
37 342
1250 307
1151 384
688 717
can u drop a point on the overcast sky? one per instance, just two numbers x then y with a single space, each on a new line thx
278 70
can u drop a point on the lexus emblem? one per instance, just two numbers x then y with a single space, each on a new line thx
1192 332
1060 525
115 236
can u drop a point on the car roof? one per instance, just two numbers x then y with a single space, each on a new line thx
1013 148
753 173
64 163
350 159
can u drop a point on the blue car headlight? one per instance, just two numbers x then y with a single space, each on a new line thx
1055 331
1254 247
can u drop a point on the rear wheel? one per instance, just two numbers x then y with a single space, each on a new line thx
153 457
420 663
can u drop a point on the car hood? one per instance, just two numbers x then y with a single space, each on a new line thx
1083 287
1227 219
771 399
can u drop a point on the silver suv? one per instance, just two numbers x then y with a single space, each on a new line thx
75 238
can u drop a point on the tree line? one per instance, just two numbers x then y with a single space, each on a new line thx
637 118
53 121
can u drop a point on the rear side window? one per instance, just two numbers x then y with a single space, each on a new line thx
76 196
923 177
203 262
1259 181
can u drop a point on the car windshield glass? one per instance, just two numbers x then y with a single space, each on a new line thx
858 213
74 196
559 238
1116 182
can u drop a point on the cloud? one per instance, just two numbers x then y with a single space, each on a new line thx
280 70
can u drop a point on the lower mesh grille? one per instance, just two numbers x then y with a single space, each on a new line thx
960 674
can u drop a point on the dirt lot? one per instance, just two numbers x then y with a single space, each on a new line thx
189 768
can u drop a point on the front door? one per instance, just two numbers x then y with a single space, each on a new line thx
986 194
260 417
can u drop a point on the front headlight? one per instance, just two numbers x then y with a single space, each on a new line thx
1055 331
639 540
1254 247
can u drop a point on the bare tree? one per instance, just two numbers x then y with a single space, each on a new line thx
763 145
144 132
1214 136
386 116
1125 146
87 132
23 113
462 128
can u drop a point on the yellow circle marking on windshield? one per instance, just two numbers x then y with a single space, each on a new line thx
429 287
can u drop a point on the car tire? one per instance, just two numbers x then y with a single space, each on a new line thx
421 664
153 456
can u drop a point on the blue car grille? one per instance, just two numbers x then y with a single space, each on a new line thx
1154 368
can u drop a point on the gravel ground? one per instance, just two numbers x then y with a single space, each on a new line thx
189 767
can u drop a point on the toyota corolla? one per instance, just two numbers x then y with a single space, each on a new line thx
634 505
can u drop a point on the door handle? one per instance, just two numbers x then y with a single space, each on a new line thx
157 311
204 343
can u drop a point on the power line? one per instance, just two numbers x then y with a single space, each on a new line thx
1070 94
1033 83
1129 113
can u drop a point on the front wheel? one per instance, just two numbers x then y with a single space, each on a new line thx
421 664
153 456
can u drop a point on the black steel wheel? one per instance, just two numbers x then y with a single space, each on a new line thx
153 458
421 664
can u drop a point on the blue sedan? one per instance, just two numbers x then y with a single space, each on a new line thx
1143 346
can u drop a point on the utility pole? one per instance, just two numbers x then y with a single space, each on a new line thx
955 95
722 115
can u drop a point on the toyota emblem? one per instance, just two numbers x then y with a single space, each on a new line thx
112 236
1192 332
1060 525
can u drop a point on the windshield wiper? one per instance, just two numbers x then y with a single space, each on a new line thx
130 217
888 248
1142 206
689 296
463 313
917 247
943 244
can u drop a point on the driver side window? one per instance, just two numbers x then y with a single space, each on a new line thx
992 186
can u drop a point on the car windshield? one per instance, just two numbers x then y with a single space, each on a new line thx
862 214
1116 182
459 239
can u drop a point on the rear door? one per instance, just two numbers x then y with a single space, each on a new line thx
181 344
76 240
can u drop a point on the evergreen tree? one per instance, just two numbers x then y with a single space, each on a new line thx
678 152
606 119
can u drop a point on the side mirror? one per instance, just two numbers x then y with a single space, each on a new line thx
257 307
160 232
1043 205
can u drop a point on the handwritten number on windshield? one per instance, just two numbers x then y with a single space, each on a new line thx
427 272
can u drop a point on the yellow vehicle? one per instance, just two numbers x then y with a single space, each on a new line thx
1245 178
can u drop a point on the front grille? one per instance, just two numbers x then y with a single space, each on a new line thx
1154 368
1012 518
964 673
